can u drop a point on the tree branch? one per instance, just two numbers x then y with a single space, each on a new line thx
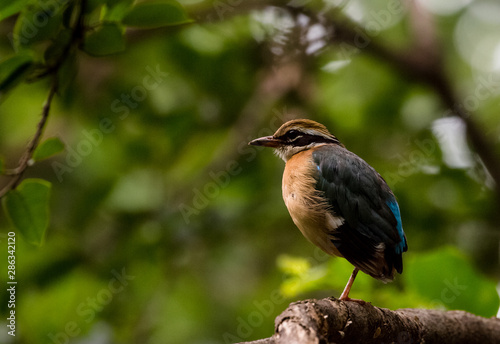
333 321
423 64
52 70
25 160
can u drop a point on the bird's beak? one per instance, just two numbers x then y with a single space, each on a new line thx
266 141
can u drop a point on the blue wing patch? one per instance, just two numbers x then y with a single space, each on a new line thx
393 205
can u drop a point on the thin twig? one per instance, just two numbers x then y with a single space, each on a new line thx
24 162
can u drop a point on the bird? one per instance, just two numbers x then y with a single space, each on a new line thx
338 201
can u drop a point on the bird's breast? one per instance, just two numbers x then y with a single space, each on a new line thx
306 205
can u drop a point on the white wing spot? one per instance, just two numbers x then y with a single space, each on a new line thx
334 222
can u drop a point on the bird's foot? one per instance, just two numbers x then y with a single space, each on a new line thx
361 302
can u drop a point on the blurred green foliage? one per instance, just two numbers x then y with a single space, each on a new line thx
165 227
442 279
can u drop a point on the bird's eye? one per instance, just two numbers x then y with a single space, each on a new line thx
292 134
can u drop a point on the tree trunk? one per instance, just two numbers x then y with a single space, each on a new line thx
332 321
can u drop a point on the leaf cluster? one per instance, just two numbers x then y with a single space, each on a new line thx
47 38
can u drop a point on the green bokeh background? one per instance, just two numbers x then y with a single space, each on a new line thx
162 189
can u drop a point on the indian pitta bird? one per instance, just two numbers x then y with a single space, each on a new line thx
338 201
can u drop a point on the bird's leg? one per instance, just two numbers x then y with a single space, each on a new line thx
347 289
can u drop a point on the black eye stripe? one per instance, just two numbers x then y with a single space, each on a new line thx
306 139
298 138
292 135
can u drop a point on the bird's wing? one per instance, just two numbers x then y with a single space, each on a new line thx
371 236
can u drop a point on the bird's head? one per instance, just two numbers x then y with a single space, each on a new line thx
295 136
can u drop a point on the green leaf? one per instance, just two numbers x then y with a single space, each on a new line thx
48 148
27 208
9 8
38 21
92 5
13 70
67 73
69 68
112 3
69 15
106 40
116 10
446 278
58 46
156 14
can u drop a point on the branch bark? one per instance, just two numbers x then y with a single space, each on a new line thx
25 161
332 321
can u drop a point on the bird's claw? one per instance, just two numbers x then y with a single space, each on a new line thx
361 302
